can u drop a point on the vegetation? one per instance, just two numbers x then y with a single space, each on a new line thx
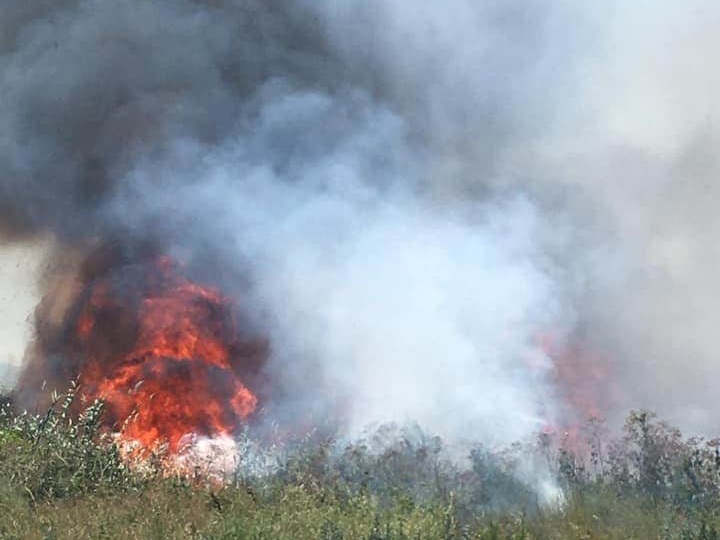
60 477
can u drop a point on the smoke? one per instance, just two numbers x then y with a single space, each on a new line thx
404 198
379 305
648 162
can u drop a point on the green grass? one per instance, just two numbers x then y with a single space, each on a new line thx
60 478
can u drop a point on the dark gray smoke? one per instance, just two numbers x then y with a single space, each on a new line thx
91 88
409 198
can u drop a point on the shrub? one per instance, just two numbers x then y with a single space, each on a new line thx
58 454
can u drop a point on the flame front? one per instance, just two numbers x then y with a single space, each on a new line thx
163 356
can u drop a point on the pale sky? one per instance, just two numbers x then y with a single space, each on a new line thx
19 268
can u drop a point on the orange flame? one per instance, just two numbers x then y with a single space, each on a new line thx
162 354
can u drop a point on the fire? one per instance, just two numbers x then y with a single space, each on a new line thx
164 355
580 374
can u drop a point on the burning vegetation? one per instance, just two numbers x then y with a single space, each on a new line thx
163 353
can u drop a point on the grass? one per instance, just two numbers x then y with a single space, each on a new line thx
61 478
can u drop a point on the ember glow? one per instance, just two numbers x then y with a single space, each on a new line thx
164 355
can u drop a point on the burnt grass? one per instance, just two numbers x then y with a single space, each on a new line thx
60 477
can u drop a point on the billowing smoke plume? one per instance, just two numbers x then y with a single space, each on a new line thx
411 200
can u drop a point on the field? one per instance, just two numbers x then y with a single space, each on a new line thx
60 478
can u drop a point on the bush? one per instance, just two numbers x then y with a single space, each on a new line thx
58 454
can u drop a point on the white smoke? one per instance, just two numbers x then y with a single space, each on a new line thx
376 300
416 317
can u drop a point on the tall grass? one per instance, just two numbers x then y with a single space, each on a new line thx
62 477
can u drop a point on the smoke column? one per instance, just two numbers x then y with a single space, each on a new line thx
406 196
